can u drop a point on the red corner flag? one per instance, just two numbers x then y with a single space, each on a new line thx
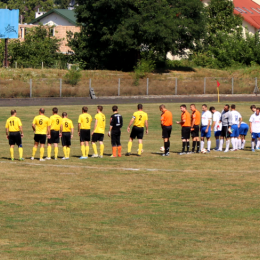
218 84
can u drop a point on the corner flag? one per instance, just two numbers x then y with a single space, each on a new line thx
218 84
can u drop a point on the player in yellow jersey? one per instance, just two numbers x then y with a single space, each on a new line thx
67 134
98 132
140 119
14 133
40 127
54 133
84 126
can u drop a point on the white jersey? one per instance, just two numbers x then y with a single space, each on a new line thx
205 117
235 117
255 120
216 118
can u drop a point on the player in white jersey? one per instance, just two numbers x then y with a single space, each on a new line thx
235 123
206 120
216 126
255 129
243 129
253 109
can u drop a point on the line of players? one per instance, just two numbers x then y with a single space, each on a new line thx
57 127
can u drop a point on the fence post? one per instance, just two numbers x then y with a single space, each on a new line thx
89 84
60 87
256 83
16 64
204 85
30 88
42 64
176 84
147 87
232 86
118 87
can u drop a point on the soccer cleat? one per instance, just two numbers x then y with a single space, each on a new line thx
232 150
139 155
32 158
226 151
55 159
127 154
165 154
84 157
12 159
100 156
42 160
219 150
94 156
182 153
215 149
192 152
198 151
253 150
47 158
258 149
112 156
189 153
21 159
208 151
63 158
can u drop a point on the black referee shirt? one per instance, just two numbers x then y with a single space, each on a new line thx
116 121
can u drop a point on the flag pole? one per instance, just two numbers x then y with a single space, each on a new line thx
218 95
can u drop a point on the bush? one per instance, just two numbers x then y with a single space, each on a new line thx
73 76
142 69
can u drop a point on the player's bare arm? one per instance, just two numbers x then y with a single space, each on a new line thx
21 131
7 133
213 125
250 125
110 129
79 125
95 126
146 125
207 126
240 121
72 132
192 123
130 123
33 127
49 132
61 128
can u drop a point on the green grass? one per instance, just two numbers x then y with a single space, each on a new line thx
179 207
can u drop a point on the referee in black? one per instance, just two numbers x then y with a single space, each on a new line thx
116 123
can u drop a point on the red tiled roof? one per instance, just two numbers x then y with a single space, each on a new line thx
252 18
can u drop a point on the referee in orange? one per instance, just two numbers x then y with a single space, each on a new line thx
166 123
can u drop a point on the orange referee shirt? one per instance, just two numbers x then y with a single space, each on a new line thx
166 118
196 115
185 116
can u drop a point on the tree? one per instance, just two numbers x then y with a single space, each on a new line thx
62 4
115 32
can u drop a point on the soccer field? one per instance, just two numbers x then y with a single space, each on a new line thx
197 206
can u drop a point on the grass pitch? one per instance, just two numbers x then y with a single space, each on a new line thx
202 206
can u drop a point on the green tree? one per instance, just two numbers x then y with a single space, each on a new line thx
115 32
62 4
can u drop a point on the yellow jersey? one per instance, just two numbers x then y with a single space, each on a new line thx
41 124
13 124
55 122
140 118
67 125
85 120
101 125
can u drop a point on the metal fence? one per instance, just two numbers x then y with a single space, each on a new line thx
49 87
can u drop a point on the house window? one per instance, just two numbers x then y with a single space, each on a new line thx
22 33
52 32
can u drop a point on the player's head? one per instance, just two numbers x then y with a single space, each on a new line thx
162 107
139 106
226 108
55 110
41 110
204 107
99 109
212 110
13 112
183 108
233 107
257 110
253 108
114 108
84 109
64 114
192 107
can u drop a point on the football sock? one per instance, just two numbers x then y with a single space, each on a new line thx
258 144
119 151
201 145
169 144
217 143
198 146
183 146
94 146
65 151
34 151
188 146
20 152
243 144
140 149
233 143
12 153
83 150
56 150
68 152
193 145
227 144
87 151
41 152
236 143
114 148
221 142
209 145
239 144
166 147
129 147
253 144
49 151
102 147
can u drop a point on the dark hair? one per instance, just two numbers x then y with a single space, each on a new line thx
253 106
64 114
162 106
114 108
55 110
204 105
183 106
139 106
258 108
13 112
227 106
84 109
233 106
42 110
212 108
100 108
193 105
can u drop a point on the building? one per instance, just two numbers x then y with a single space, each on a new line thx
63 21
